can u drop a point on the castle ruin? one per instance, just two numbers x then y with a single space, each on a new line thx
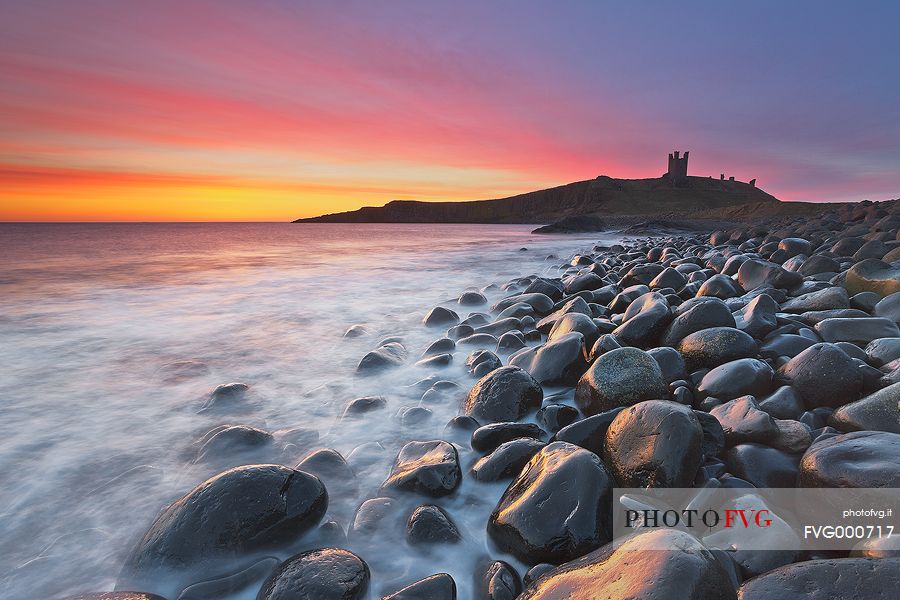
677 172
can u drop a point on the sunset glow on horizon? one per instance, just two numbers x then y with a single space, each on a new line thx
274 110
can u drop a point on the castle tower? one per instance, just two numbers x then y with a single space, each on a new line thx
677 172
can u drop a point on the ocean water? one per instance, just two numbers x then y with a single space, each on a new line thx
113 335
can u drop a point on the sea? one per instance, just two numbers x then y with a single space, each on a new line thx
113 335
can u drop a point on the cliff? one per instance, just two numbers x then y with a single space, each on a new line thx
614 200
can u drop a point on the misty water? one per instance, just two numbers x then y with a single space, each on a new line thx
113 335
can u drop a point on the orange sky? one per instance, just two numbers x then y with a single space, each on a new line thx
278 110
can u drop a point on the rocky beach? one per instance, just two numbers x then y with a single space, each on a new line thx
762 356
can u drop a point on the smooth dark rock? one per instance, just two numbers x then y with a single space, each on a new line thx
375 519
226 440
755 273
238 511
115 596
496 580
489 437
436 587
787 345
660 564
226 398
860 459
715 346
655 443
575 322
541 303
507 460
743 377
823 375
720 286
543 517
889 307
510 342
858 331
743 421
695 315
560 361
324 574
828 299
713 435
621 377
879 411
873 275
793 436
428 468
589 433
391 354
363 405
882 351
644 322
757 318
471 299
763 466
459 429
670 363
440 317
554 417
827 579
326 463
504 394
429 524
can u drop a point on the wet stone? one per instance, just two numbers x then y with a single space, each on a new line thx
324 574
655 565
655 443
429 524
489 437
620 377
427 468
860 459
436 587
743 421
505 394
590 432
507 460
743 377
543 517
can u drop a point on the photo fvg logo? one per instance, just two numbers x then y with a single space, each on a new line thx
710 518
763 518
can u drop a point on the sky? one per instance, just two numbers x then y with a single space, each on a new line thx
264 110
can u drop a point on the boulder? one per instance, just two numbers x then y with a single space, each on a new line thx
504 394
621 377
237 512
659 564
490 437
743 421
823 375
543 517
644 322
858 331
428 468
429 524
560 361
323 574
860 459
435 587
743 377
695 315
496 580
507 460
879 411
440 317
763 466
712 347
590 432
655 443
873 275
827 579
828 299
757 318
